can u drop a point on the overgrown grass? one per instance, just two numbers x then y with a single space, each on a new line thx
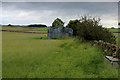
27 56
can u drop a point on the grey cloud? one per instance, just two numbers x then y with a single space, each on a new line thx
60 0
92 7
46 12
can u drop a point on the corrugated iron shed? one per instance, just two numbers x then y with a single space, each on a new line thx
59 32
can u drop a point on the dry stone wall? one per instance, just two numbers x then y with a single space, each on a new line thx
108 48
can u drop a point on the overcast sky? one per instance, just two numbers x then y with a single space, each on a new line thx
46 12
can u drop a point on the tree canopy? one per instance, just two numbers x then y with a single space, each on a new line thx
57 22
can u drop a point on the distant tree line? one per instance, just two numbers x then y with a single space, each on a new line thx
31 25
37 25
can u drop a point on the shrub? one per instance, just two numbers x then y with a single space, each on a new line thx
89 29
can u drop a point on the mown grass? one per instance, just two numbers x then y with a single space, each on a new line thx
41 29
24 28
43 32
16 28
27 56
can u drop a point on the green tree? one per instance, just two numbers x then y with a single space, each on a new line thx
73 24
9 25
57 22
89 29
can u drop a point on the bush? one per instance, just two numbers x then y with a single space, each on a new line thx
89 29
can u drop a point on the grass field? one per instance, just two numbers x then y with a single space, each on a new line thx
40 29
27 56
24 28
16 28
117 35
114 30
43 32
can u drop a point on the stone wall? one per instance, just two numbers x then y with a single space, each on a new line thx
108 48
